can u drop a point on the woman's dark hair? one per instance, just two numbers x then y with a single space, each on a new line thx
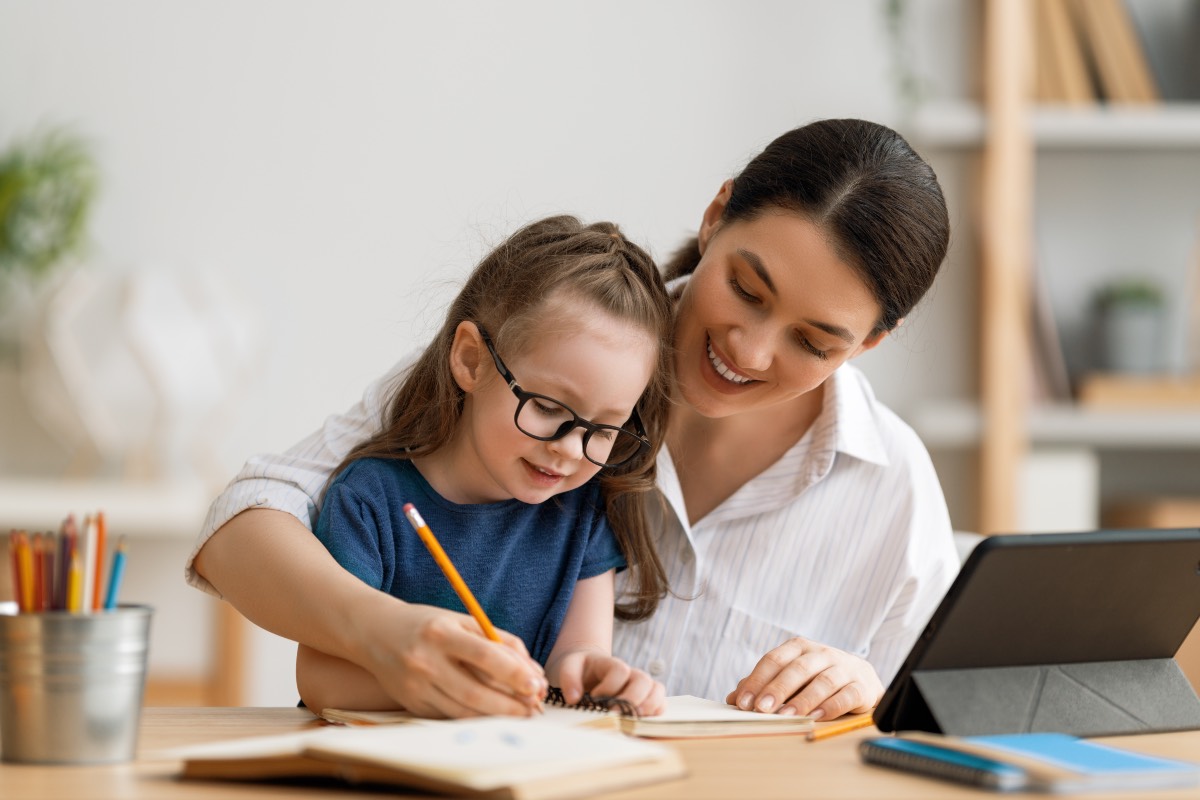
865 187
510 294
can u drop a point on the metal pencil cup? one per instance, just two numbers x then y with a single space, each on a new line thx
71 685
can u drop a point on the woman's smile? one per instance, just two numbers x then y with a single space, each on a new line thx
725 370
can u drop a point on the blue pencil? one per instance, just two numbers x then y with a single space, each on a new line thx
114 579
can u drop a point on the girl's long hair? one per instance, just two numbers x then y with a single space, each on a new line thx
506 293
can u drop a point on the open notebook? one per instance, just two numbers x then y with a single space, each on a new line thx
500 757
686 717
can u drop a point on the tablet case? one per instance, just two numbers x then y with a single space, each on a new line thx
1073 633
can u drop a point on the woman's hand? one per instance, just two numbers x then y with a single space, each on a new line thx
602 675
808 678
437 663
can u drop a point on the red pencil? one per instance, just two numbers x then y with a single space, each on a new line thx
35 594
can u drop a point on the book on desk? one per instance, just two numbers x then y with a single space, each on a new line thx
495 757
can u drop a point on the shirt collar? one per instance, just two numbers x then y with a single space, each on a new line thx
850 404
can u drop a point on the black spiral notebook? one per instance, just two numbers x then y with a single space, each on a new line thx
686 717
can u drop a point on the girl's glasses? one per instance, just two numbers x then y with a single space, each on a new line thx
547 420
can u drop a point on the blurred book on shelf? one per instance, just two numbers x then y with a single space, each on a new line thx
1115 51
1089 50
1061 70
1051 382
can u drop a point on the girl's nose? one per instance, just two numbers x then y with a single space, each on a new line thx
569 446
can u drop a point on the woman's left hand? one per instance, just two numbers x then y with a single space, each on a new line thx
808 678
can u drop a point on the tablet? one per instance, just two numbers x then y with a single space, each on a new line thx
1073 632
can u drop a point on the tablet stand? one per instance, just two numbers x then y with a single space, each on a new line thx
1086 699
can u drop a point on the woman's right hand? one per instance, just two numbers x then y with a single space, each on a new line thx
437 663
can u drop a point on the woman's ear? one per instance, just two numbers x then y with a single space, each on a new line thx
874 340
467 353
712 214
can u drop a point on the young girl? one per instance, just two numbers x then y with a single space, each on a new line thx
547 382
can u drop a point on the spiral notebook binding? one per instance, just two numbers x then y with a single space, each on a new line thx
555 697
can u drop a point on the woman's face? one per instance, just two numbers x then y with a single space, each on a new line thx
769 313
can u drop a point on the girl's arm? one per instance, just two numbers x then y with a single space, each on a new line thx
327 681
582 659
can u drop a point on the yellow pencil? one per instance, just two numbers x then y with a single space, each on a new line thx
841 726
448 569
75 584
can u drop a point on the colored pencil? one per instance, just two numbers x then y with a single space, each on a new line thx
448 569
87 552
114 578
39 560
841 726
75 583
97 598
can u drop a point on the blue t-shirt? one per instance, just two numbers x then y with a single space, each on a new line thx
521 561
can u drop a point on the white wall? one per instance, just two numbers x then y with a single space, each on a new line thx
344 163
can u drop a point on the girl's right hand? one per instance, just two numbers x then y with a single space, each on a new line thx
437 663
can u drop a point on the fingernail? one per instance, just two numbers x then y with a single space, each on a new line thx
787 711
817 713
745 700
766 703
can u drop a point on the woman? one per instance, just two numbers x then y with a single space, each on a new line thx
804 534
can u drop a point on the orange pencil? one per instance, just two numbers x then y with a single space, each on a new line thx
841 726
98 575
448 569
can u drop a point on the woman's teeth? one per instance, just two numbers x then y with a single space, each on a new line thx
722 369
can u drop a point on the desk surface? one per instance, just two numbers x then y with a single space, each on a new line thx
752 767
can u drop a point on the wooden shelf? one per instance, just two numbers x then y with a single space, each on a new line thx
155 510
953 425
1169 125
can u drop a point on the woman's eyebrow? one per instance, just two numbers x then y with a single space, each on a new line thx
760 269
835 330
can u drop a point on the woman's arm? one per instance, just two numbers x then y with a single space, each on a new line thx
582 661
431 661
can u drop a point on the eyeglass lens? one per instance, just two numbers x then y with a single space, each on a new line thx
543 418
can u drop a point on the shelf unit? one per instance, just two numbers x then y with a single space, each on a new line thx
1010 134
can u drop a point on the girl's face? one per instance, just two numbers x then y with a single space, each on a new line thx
769 313
594 363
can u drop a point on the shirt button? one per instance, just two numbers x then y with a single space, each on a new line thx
658 667
261 500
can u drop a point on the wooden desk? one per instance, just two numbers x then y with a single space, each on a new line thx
753 767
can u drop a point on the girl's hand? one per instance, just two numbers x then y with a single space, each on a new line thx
805 677
602 675
437 663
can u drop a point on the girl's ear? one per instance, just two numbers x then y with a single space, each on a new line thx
712 214
467 355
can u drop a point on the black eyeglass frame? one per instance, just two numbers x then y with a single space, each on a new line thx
576 421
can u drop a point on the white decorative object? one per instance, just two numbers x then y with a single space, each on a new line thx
136 372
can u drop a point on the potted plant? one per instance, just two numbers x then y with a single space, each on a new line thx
47 186
1131 314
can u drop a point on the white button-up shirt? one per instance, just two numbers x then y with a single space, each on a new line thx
845 540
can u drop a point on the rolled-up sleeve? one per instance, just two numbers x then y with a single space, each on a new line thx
293 481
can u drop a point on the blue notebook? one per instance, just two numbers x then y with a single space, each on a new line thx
1048 762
